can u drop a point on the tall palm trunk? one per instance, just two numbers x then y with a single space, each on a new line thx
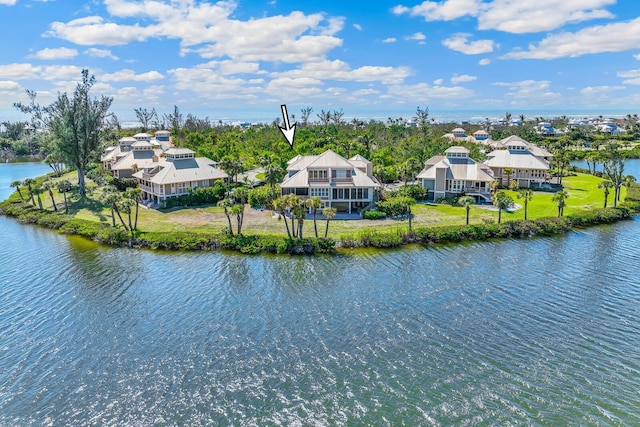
53 200
315 225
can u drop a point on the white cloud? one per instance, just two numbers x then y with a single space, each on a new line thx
464 78
637 57
438 82
8 2
389 40
423 92
632 77
357 27
207 83
416 36
365 92
459 42
616 37
340 70
440 11
10 86
512 16
298 88
228 67
100 53
530 91
62 72
55 53
599 91
127 75
484 61
22 71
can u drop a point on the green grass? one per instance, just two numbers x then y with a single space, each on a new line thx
582 189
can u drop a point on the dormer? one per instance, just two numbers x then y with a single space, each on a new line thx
517 146
141 146
457 152
126 143
142 137
459 133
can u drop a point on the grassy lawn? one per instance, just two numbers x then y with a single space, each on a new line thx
582 189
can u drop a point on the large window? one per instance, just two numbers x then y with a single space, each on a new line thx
341 173
456 186
317 174
320 192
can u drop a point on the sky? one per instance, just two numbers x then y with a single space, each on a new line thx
242 59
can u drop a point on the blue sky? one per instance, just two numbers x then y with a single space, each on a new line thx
243 58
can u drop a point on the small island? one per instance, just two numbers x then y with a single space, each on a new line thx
341 185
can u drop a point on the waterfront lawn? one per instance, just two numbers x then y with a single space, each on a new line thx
582 189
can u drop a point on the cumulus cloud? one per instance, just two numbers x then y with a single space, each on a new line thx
464 78
49 54
460 43
637 57
209 30
632 77
100 53
9 86
8 2
23 71
484 61
340 70
127 75
424 92
525 90
599 91
416 36
519 17
615 37
389 40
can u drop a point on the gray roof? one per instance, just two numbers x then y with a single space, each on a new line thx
463 169
185 170
516 159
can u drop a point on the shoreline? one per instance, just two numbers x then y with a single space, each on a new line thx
258 244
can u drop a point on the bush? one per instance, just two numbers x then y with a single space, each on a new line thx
396 206
263 196
415 191
374 215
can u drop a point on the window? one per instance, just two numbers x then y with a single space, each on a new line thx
456 186
316 175
320 192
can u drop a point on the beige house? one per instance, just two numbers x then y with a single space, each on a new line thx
175 174
140 155
454 174
347 185
519 160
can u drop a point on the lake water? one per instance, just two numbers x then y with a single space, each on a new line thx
542 331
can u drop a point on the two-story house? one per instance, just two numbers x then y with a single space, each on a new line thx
456 173
174 175
519 160
347 185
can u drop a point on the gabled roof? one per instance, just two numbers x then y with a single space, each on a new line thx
141 158
329 159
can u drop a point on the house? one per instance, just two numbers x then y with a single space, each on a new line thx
115 154
456 173
175 174
347 185
140 155
547 129
112 154
481 135
519 160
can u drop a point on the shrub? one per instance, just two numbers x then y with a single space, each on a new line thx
396 206
415 191
263 196
374 215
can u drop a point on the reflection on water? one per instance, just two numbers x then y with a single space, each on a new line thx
536 331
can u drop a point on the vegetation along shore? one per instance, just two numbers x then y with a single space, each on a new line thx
377 187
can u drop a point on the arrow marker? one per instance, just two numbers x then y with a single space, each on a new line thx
289 131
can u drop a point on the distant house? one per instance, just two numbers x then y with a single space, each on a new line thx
481 135
456 173
547 129
174 175
347 185
113 155
140 155
523 162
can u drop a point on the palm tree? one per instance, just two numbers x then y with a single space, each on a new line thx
29 183
49 186
280 205
226 203
299 212
111 197
125 204
467 202
64 186
37 191
561 197
314 204
508 172
16 185
238 211
134 194
273 174
526 194
628 182
493 186
329 214
605 185
503 201
292 202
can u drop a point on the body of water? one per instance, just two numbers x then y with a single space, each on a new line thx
541 331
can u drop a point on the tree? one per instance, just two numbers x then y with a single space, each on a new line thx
146 117
273 174
126 205
508 172
614 171
280 205
76 124
526 194
226 204
502 201
329 214
314 203
628 182
16 185
306 112
64 186
37 191
29 183
605 185
467 202
49 186
134 195
111 197
560 197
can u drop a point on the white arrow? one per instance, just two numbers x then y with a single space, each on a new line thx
289 131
